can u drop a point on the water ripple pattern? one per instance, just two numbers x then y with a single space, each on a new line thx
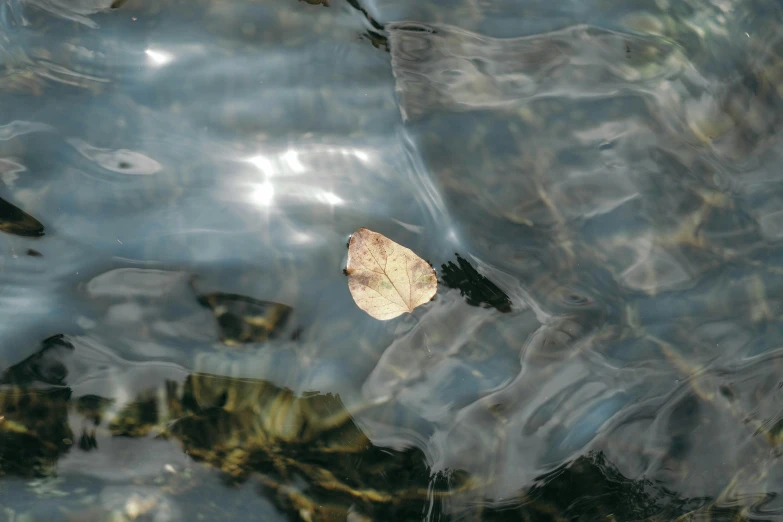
599 183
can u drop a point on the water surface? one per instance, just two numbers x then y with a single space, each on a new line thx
597 184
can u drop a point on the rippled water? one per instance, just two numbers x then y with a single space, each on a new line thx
179 180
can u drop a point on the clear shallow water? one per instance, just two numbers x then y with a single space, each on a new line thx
612 168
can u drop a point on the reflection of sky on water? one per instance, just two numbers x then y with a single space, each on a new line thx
308 163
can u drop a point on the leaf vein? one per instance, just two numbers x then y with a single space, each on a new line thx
377 292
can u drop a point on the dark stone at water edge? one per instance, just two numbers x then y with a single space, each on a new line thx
14 220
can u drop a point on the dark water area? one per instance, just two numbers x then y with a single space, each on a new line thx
596 183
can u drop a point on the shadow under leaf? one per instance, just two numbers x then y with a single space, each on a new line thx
477 289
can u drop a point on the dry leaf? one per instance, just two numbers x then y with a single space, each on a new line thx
386 279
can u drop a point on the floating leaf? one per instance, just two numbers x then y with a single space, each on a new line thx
386 279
